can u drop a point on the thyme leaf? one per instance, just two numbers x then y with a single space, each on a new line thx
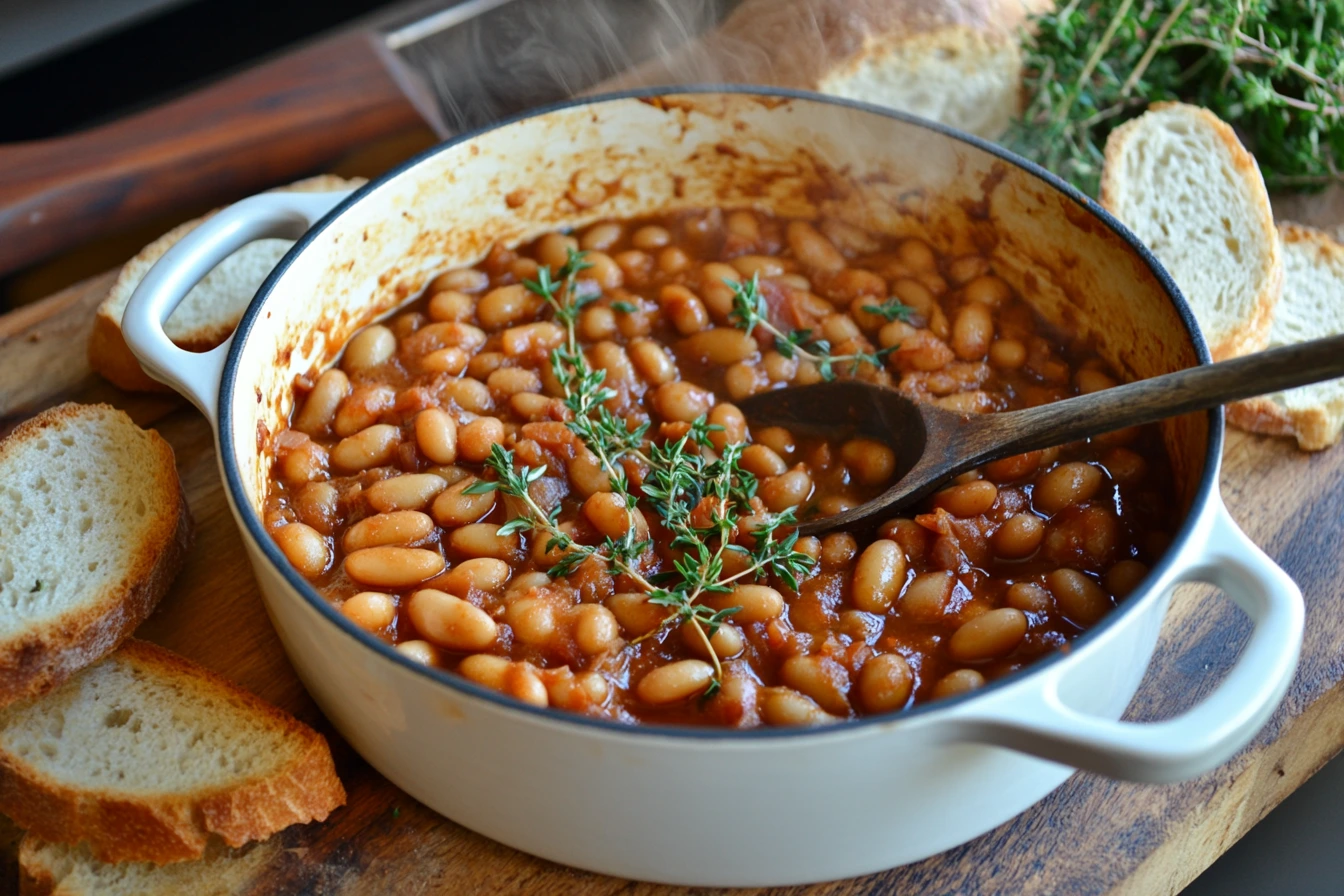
891 309
750 312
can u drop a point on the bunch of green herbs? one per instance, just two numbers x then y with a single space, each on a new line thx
1273 69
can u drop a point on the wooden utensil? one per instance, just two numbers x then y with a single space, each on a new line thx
933 445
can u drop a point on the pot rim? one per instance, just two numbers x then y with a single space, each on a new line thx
255 530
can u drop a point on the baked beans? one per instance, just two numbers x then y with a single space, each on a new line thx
377 493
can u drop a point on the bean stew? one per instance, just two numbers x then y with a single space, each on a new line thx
535 476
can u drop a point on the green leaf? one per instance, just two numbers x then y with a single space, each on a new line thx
665 598
543 286
624 307
480 487
891 309
717 619
576 260
567 564
517 524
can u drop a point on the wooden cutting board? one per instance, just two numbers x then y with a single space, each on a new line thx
1091 836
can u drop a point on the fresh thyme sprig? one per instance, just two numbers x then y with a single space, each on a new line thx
682 485
602 432
685 481
750 311
891 309
1274 69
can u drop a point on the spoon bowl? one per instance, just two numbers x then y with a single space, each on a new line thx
852 409
933 445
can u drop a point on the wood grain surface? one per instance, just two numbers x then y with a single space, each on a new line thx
266 125
1091 836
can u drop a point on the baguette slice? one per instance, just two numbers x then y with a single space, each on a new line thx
145 755
1312 308
210 311
94 528
954 61
58 869
1180 179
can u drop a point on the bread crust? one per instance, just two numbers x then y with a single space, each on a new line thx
35 879
805 42
808 44
107 350
222 871
42 658
1253 334
1314 428
174 827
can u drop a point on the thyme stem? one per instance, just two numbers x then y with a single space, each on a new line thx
679 479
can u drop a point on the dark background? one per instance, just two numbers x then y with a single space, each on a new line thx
154 58
69 64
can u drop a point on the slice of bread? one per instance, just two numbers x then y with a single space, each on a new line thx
145 755
94 527
1180 179
58 869
954 62
959 64
1312 308
210 311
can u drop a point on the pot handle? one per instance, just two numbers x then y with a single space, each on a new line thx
1041 724
196 375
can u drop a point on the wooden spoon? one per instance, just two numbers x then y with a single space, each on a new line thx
933 445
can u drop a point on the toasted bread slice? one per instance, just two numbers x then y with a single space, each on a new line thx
1312 308
954 61
145 755
95 527
210 311
59 869
1180 179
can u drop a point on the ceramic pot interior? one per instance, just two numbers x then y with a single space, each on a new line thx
636 156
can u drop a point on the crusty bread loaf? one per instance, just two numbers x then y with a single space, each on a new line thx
1181 180
954 62
94 528
59 869
210 311
145 755
1312 308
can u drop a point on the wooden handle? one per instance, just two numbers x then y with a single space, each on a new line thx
1150 400
270 124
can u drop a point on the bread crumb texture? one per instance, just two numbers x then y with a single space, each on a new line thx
1178 177
145 755
120 726
1312 308
58 869
954 75
77 500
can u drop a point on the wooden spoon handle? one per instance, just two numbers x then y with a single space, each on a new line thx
1146 401
269 124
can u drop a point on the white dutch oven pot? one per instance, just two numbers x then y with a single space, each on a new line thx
646 802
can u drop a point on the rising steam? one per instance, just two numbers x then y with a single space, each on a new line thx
525 53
